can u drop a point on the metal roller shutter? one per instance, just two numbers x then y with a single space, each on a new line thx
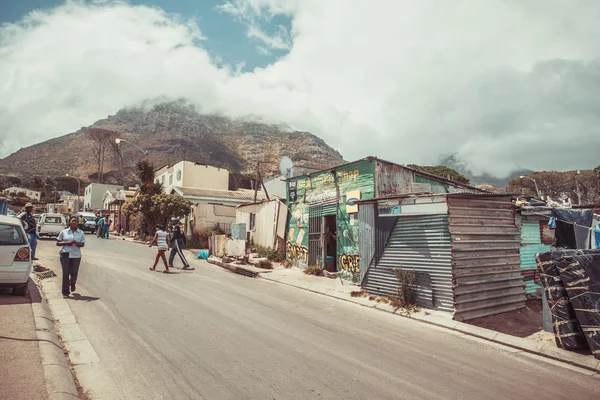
421 243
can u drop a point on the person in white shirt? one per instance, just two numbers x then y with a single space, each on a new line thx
72 240
161 240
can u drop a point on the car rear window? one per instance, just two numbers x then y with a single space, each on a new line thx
53 220
11 235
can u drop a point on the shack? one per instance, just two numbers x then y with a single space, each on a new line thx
323 222
464 247
266 223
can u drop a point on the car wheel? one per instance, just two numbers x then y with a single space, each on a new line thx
21 290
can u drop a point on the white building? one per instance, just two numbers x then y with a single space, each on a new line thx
94 195
276 185
192 175
32 194
214 209
266 222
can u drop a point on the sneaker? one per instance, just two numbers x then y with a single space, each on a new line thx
34 258
66 296
73 287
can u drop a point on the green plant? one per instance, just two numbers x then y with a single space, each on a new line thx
269 254
313 270
264 264
407 280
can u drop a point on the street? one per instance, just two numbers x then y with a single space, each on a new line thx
210 334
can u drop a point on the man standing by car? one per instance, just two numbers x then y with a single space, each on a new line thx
30 225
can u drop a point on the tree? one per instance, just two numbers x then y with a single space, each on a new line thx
117 156
580 186
146 174
101 137
157 209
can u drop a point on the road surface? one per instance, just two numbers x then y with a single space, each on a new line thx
210 334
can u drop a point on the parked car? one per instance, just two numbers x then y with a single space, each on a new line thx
37 217
90 221
11 213
51 224
15 256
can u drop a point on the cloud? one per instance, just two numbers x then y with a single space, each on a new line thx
504 84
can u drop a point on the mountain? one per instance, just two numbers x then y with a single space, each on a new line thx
483 179
172 132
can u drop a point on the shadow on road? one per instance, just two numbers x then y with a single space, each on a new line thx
7 298
77 296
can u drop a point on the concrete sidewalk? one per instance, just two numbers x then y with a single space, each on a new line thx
21 371
32 359
343 291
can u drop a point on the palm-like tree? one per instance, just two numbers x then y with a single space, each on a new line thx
146 174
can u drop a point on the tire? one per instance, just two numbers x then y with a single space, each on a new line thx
21 290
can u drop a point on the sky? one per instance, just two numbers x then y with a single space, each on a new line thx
502 84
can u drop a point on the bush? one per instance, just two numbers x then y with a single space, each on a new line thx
313 270
269 254
264 264
407 280
286 264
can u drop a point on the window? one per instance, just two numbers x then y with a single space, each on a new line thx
11 235
53 220
178 175
252 221
171 179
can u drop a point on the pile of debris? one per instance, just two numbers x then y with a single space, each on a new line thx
571 281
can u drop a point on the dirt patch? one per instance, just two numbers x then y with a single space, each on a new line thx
522 323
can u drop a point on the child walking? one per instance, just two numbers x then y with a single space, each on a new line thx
160 239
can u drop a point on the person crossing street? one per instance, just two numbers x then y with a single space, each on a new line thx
30 225
177 242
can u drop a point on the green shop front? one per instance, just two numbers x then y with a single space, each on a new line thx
323 222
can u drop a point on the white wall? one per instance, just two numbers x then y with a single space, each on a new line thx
32 194
270 221
94 193
190 174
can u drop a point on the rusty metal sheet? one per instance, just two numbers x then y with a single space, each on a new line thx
485 257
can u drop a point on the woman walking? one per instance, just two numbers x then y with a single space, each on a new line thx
72 240
160 238
177 242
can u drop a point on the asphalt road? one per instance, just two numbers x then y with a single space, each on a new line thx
210 334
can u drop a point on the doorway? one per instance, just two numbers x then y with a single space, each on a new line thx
330 239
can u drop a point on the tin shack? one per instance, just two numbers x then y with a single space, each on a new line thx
464 247
323 224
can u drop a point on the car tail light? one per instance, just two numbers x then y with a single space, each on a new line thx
22 254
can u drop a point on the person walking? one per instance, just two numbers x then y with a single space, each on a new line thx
100 226
177 242
161 240
72 240
106 227
30 225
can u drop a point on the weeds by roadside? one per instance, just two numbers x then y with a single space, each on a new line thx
269 254
313 270
264 264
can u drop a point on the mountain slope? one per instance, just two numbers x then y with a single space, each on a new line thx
172 132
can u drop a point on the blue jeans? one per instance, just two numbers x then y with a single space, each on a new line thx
105 231
32 243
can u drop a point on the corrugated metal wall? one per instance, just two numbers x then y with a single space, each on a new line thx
373 234
421 243
485 256
531 244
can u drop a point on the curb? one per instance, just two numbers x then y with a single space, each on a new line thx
546 351
235 269
57 373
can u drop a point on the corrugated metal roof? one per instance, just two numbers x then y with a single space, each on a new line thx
240 194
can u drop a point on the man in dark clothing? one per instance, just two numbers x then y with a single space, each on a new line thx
30 225
177 242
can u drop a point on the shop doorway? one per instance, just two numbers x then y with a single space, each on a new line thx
330 243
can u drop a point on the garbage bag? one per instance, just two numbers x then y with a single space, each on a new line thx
203 255
580 274
567 332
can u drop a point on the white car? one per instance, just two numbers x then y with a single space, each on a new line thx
51 224
15 256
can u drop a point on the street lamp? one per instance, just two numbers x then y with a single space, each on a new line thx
537 191
78 189
118 141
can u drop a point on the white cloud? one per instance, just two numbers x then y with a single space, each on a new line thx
505 84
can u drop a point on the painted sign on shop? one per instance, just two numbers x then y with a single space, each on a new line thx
351 198
296 253
350 263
